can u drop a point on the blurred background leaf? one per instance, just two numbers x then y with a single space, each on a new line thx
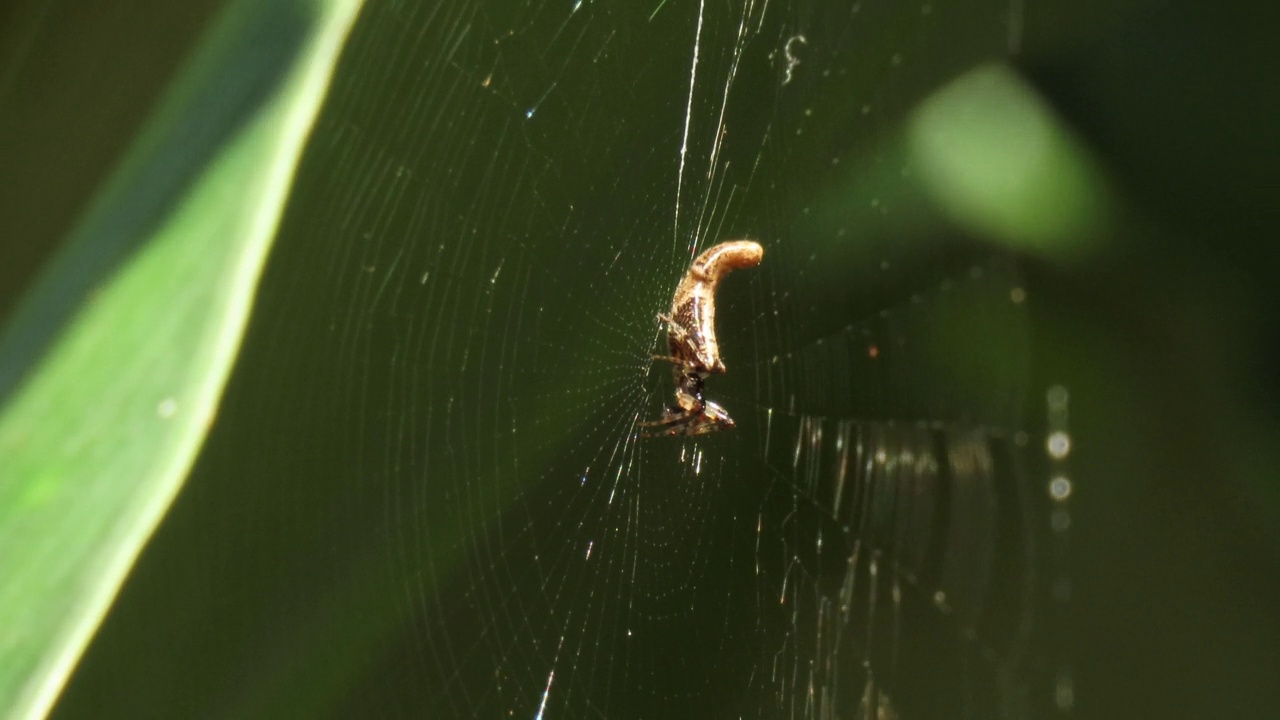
112 366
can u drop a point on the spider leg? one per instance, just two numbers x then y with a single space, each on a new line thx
674 421
681 428
665 432
669 417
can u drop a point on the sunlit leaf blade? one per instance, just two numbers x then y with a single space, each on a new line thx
97 439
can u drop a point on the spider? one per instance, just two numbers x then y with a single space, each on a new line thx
691 340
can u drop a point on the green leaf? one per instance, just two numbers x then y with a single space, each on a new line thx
106 411
997 160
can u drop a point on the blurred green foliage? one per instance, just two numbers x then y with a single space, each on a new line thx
111 368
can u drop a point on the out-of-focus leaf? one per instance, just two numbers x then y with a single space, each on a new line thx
114 400
996 159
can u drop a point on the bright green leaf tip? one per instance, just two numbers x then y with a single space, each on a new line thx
96 441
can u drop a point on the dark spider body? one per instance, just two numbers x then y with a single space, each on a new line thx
691 339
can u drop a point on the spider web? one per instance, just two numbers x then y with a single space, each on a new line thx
426 495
